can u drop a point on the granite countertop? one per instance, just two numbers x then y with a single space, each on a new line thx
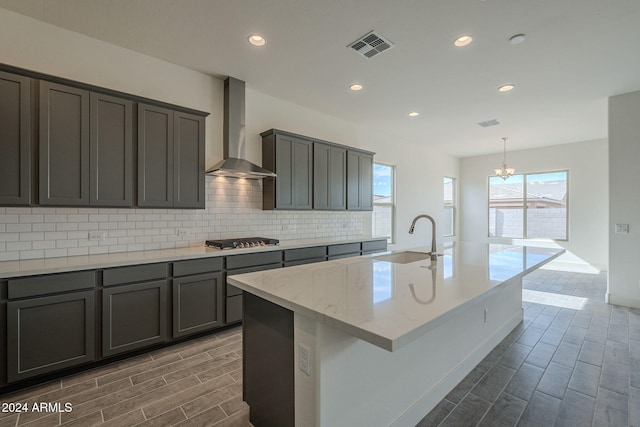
390 304
34 267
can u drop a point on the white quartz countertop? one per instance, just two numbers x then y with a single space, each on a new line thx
390 304
34 267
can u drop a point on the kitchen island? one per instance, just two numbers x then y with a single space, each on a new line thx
376 340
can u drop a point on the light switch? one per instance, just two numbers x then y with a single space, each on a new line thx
622 228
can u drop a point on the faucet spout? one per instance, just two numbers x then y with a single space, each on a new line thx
434 255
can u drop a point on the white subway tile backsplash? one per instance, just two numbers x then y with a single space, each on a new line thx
234 209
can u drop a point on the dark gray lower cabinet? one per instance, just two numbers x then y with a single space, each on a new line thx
344 250
50 333
305 256
246 263
197 303
374 246
133 316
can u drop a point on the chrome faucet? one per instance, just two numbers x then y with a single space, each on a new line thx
434 255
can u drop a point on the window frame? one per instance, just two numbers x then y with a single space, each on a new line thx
391 239
452 205
526 207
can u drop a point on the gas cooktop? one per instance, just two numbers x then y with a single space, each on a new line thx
242 242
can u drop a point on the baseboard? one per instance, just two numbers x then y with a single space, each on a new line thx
617 299
438 392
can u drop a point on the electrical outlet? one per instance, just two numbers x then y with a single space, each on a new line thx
622 228
183 232
485 315
97 236
304 359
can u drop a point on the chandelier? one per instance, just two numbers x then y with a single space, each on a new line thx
504 172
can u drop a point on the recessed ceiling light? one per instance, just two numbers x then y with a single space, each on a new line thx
414 114
355 87
463 41
256 40
517 39
506 88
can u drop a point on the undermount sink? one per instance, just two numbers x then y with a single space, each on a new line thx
405 257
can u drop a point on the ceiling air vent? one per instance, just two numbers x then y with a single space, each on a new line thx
371 45
492 122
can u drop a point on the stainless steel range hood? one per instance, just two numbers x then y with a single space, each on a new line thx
234 163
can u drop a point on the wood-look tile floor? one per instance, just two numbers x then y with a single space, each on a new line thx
573 361
195 383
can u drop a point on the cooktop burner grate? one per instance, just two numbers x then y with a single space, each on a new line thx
242 242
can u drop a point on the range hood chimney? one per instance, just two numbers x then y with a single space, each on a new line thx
233 138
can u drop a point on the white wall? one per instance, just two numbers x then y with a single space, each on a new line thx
624 199
48 232
588 194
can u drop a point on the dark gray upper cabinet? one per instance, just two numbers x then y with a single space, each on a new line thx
291 158
189 161
315 175
359 180
111 151
329 177
170 158
15 139
155 156
67 143
64 145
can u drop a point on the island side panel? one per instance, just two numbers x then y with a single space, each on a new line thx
268 357
353 382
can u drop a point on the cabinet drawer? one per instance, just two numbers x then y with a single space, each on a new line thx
304 261
374 246
50 284
305 253
232 290
254 259
197 266
344 249
137 273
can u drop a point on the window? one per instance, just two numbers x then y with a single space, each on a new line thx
448 227
530 205
383 201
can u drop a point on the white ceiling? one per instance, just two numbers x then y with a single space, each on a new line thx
576 54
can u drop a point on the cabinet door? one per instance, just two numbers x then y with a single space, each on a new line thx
302 174
321 176
366 182
353 180
359 181
133 316
64 145
111 165
188 160
197 303
294 163
15 139
155 156
49 333
337 178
